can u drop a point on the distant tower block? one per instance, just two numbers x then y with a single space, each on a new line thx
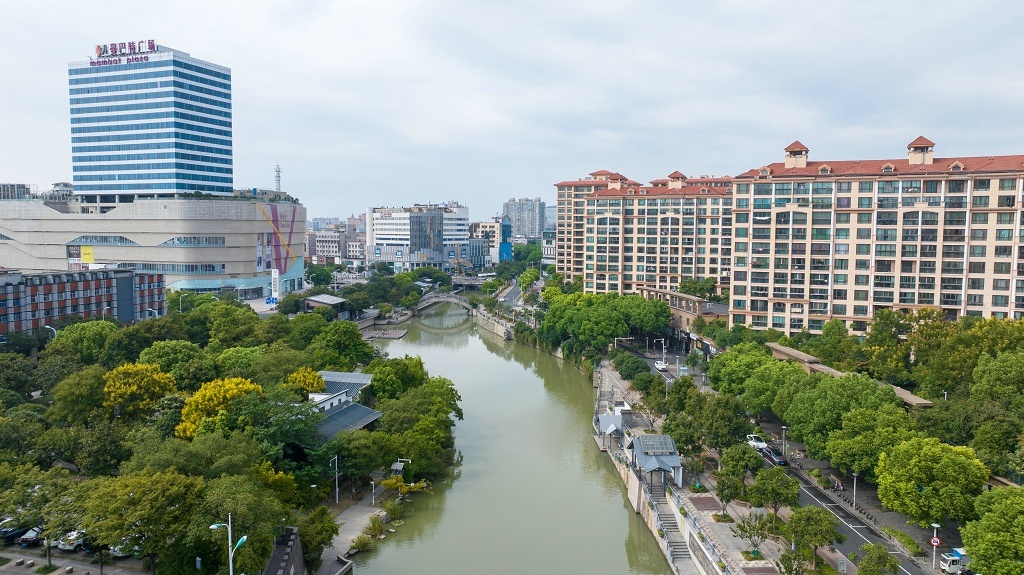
277 177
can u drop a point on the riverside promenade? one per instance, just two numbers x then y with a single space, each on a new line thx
691 539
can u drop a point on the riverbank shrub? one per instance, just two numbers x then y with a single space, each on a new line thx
364 543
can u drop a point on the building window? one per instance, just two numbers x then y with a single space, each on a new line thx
1007 184
982 185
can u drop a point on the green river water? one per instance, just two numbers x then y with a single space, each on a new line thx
531 493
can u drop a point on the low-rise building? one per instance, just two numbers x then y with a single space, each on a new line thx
34 301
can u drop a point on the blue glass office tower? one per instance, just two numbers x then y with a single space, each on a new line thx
148 121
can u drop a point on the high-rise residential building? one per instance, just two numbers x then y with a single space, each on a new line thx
148 121
526 215
434 235
624 236
550 217
571 200
822 240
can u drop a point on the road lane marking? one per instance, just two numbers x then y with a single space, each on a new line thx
819 502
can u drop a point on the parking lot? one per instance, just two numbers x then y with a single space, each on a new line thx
79 562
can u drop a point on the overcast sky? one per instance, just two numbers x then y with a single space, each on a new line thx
370 102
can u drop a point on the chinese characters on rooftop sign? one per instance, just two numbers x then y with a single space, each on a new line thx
112 53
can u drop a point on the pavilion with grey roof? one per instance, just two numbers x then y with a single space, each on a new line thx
651 453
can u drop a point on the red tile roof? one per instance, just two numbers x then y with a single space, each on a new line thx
603 183
664 191
796 146
601 173
901 167
677 175
921 142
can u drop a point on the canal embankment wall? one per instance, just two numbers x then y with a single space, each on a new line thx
676 517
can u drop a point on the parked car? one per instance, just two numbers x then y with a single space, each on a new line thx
73 541
123 550
773 457
756 442
10 535
660 365
31 538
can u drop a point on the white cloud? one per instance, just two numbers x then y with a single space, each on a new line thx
480 101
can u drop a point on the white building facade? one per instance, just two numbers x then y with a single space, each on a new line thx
424 235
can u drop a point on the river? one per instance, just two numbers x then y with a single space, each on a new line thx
531 493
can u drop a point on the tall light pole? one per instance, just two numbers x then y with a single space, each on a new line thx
677 366
149 309
334 460
182 295
854 489
373 493
232 546
784 428
103 312
935 534
51 329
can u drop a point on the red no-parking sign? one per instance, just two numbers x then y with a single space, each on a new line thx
936 542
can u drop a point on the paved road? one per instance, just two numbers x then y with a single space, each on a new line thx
852 525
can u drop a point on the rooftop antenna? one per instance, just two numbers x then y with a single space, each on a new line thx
277 177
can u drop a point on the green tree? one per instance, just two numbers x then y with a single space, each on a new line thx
255 511
17 374
790 563
929 481
740 459
814 528
729 371
866 434
234 326
835 345
341 347
773 489
78 396
724 421
764 382
876 560
817 411
100 448
318 275
273 328
81 342
290 304
132 390
754 529
727 489
316 531
36 497
994 540
145 510
703 288
170 354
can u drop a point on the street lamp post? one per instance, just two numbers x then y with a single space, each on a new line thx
232 546
51 329
153 311
648 344
784 428
373 493
854 489
935 534
677 366
103 312
334 461
662 340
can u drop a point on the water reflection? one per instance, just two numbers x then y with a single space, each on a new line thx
532 494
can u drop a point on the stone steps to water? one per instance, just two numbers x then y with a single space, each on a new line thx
680 550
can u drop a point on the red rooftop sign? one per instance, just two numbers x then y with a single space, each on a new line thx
109 54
